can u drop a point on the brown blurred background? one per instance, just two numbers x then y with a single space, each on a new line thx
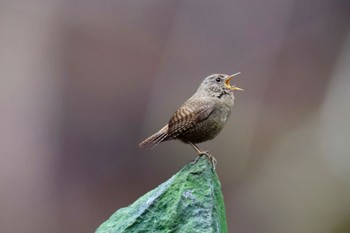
82 82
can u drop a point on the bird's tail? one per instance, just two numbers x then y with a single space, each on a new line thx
155 139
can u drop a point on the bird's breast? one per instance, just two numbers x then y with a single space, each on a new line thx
209 127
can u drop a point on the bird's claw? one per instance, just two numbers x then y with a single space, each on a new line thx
211 158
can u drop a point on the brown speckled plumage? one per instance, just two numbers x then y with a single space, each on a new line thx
202 116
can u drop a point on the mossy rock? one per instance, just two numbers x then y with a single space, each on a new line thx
190 201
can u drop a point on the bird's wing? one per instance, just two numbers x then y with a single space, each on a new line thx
187 116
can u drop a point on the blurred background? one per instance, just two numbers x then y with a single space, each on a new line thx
83 82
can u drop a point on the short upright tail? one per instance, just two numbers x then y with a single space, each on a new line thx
156 138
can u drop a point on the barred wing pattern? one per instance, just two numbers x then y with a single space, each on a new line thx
187 116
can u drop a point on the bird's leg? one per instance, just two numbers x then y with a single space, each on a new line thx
201 153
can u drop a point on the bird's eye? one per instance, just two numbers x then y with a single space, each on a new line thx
218 79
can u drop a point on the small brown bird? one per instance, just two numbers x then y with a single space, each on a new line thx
201 117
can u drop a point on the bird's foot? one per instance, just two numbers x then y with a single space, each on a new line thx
211 158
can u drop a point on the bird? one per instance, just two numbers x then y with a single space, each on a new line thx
201 117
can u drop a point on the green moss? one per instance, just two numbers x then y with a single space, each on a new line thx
190 201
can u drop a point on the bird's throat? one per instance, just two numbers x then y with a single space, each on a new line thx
222 94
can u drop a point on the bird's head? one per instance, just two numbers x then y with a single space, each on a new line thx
216 84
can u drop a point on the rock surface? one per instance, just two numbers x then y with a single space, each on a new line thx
190 201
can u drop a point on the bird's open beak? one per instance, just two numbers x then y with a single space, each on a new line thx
228 85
